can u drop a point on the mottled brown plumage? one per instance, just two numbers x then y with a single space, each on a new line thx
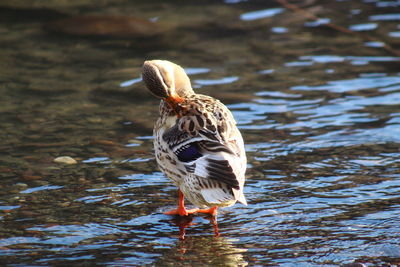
197 143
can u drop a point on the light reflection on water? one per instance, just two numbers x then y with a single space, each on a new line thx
321 124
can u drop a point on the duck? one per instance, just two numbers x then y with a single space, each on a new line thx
196 142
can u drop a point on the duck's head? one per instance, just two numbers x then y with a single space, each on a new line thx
166 80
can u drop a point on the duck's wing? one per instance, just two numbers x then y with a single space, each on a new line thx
208 144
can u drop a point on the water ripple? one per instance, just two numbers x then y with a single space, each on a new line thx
360 83
260 14
224 80
363 27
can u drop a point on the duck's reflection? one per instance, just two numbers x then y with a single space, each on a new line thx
185 221
202 249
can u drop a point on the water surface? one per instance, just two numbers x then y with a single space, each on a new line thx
319 110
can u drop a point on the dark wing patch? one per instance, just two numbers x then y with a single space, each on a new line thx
190 168
214 147
189 152
221 170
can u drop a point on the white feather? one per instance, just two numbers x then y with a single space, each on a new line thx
239 196
215 195
201 164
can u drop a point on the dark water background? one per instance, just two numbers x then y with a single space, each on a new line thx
319 110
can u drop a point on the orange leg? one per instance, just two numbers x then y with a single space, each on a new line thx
212 211
181 207
214 223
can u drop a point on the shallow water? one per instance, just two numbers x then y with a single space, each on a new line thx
319 110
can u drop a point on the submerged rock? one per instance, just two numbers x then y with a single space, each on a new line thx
65 160
27 14
106 26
